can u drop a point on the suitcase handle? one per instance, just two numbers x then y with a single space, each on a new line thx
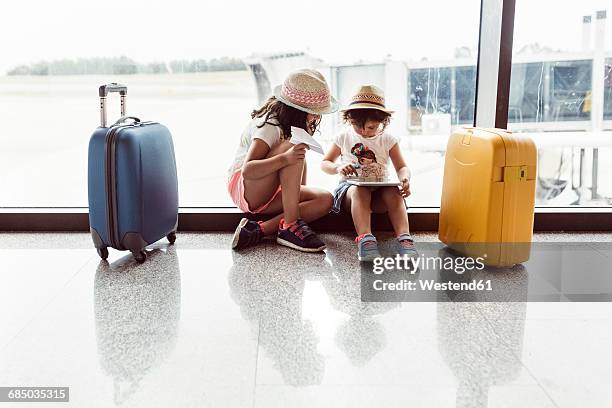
125 119
103 92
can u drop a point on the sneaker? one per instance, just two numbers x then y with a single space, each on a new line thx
405 246
248 233
299 236
367 248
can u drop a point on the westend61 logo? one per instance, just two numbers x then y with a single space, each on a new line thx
458 264
422 278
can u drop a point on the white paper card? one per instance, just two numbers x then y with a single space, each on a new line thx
299 135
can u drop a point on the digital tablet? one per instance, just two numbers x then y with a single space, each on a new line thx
364 182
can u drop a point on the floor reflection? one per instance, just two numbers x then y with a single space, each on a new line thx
137 311
555 272
481 353
361 336
482 342
508 284
272 300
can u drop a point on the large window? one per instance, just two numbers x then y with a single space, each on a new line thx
48 121
200 67
550 91
443 90
559 96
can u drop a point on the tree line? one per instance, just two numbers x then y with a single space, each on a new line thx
126 66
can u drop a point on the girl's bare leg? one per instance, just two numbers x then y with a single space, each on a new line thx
314 204
291 182
358 201
259 191
295 200
394 203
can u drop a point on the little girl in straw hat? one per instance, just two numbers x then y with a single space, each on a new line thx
365 149
268 175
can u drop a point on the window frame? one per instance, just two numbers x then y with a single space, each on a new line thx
493 72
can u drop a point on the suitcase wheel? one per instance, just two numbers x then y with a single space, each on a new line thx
103 252
140 256
171 237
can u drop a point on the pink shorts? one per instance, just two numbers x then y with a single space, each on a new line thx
235 187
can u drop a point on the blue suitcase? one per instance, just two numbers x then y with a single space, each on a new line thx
132 183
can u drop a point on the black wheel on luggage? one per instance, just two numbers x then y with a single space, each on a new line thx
103 252
171 237
140 256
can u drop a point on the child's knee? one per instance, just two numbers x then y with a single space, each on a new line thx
392 198
280 148
326 199
322 198
392 193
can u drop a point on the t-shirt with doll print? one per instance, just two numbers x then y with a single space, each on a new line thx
269 133
371 154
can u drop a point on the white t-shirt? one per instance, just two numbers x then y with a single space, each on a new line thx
268 133
372 154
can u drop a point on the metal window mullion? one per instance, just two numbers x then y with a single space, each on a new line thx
494 63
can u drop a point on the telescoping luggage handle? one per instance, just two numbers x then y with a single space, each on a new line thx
124 119
103 92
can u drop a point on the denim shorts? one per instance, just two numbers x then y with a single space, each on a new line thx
339 194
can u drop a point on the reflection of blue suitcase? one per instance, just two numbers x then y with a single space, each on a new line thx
133 191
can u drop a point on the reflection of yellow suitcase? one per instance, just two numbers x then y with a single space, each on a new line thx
488 195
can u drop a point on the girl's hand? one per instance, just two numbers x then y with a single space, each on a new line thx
295 154
405 187
346 169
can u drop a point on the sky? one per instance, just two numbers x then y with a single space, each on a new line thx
338 31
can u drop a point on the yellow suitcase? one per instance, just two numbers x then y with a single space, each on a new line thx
488 195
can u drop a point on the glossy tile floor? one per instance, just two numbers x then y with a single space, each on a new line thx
199 325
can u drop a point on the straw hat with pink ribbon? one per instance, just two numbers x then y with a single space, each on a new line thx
306 90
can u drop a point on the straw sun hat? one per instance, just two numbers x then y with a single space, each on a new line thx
368 97
307 91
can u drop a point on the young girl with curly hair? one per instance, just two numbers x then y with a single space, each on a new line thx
366 150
